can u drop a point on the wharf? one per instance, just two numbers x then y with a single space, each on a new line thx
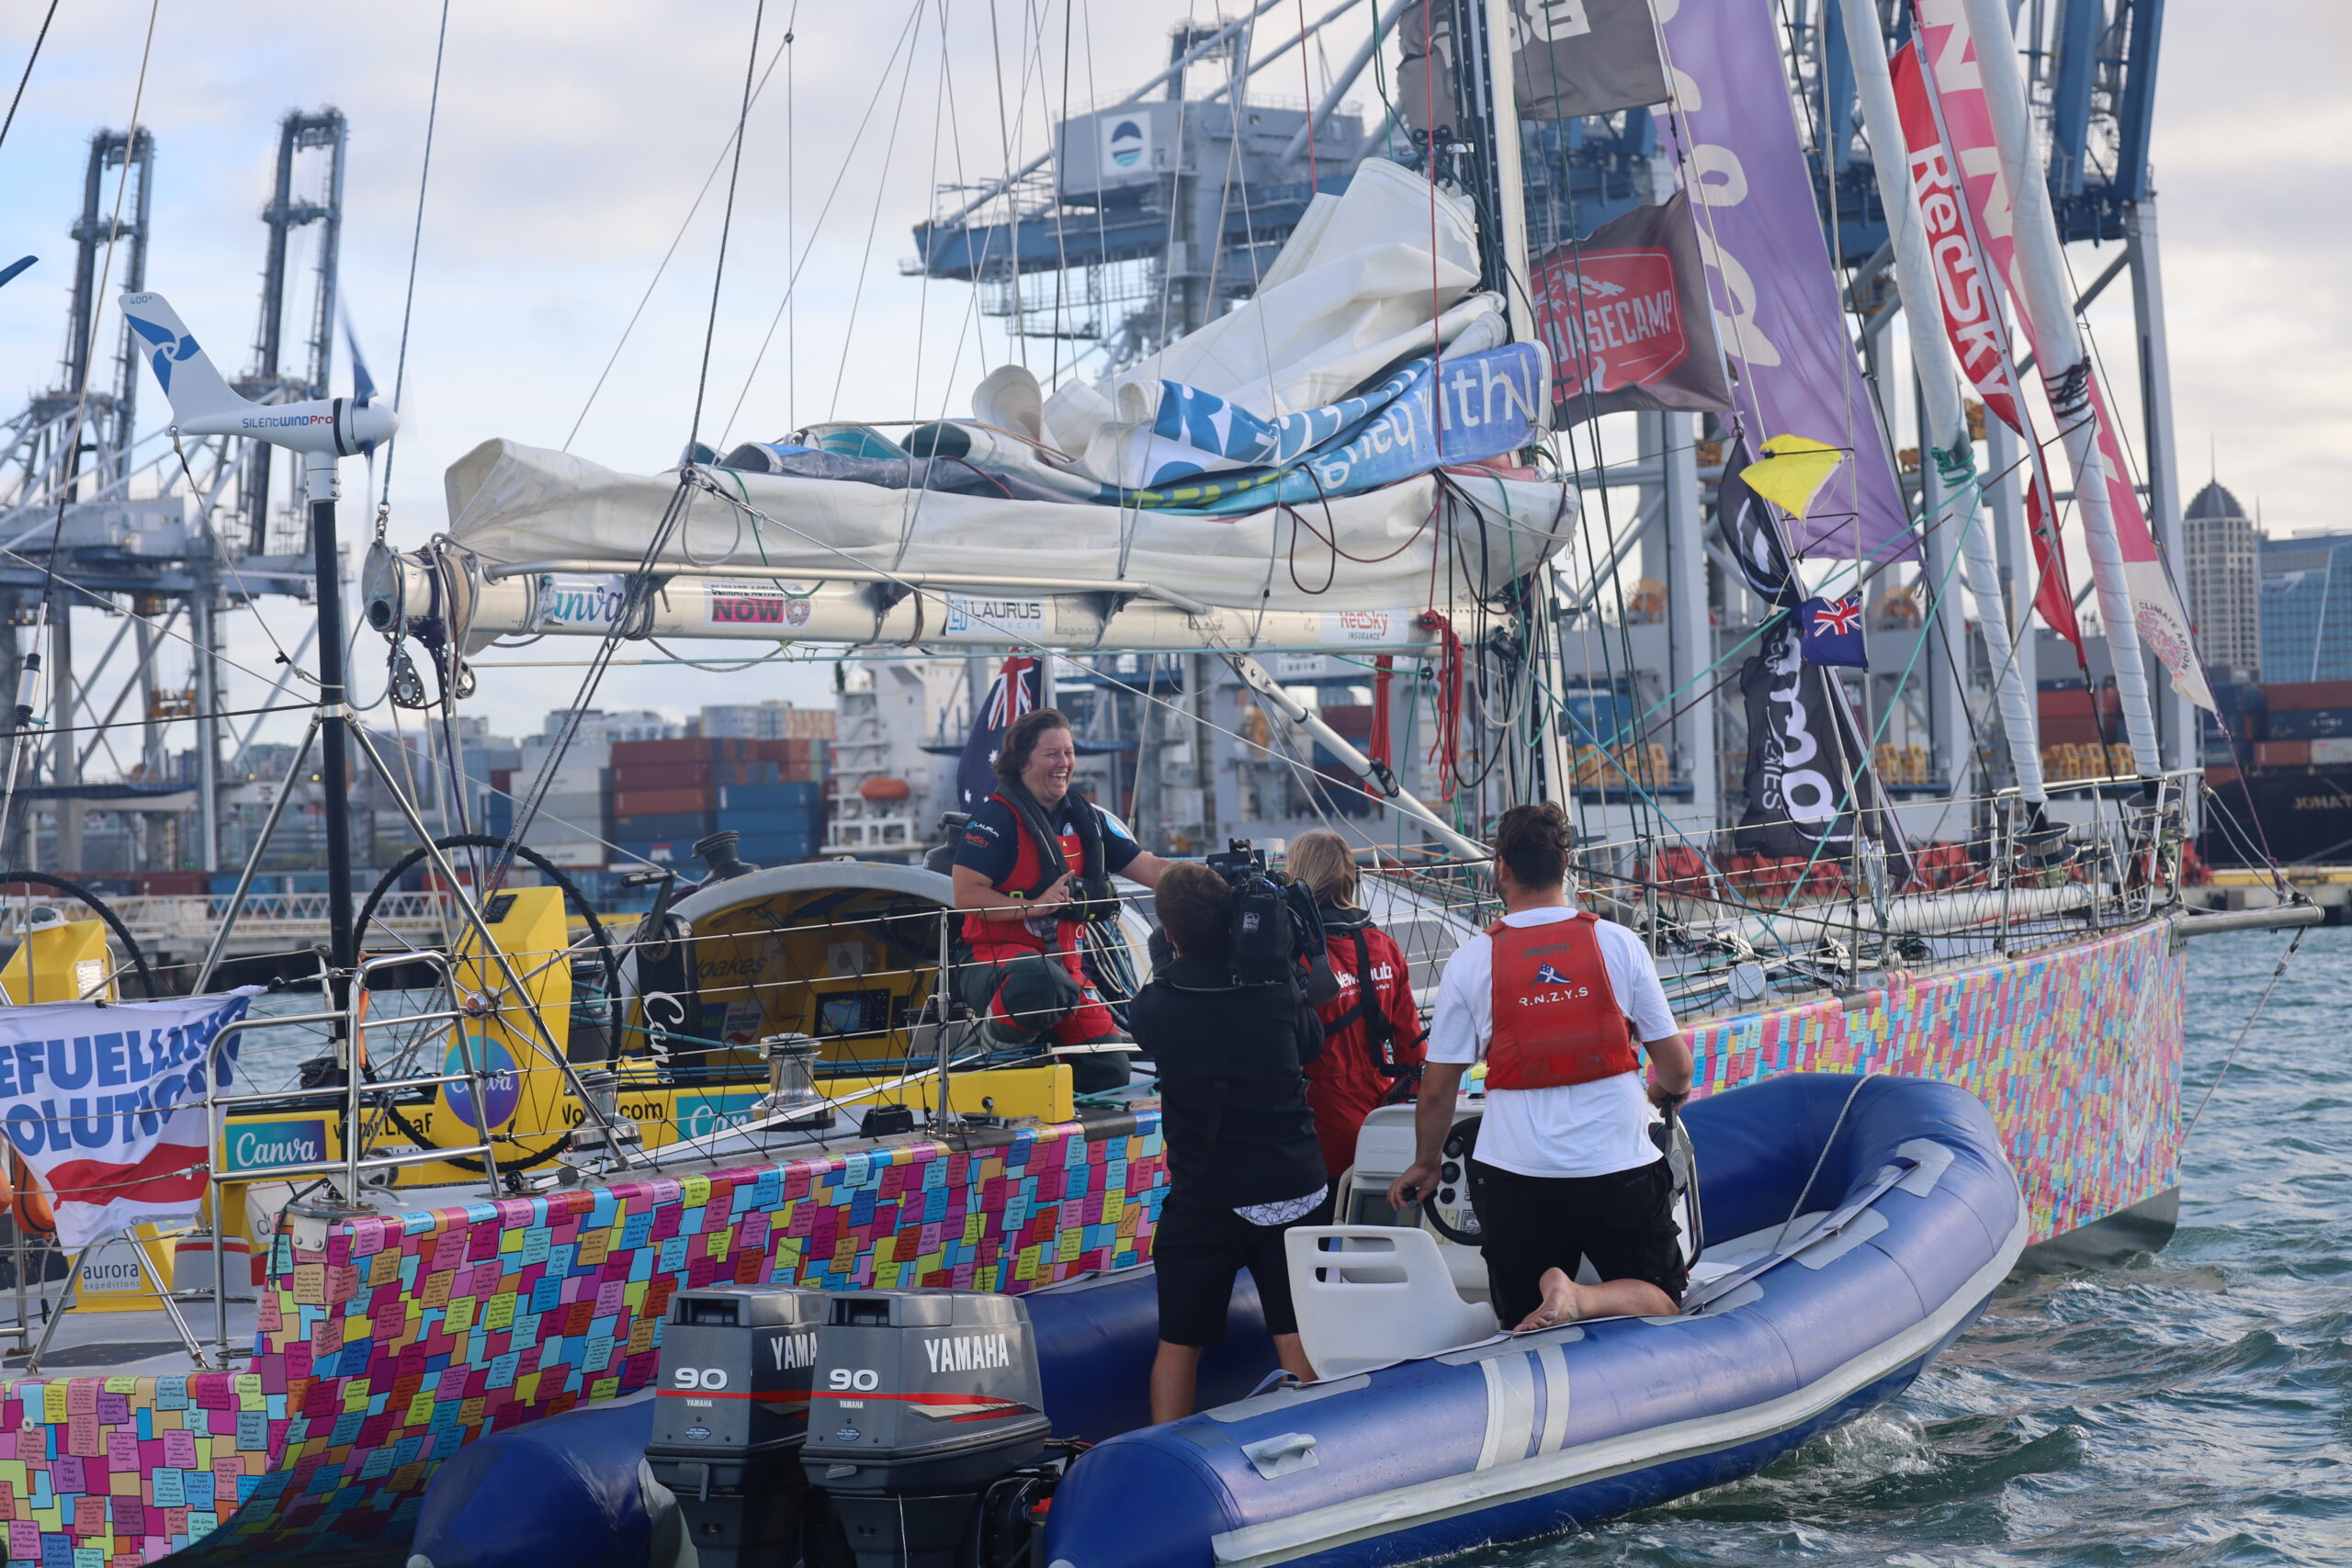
2329 886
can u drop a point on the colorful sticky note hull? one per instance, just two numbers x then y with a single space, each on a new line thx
411 1334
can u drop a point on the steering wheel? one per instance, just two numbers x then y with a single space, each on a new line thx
1450 1210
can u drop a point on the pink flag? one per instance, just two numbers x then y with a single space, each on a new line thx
1957 90
1969 291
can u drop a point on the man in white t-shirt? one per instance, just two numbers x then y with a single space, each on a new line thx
1554 1001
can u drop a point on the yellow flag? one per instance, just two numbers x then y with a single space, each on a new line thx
1791 472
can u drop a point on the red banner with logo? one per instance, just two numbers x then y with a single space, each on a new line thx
1624 313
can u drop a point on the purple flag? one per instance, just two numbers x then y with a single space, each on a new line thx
1769 273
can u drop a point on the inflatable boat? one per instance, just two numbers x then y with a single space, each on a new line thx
1846 1228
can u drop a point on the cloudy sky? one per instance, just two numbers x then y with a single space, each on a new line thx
575 139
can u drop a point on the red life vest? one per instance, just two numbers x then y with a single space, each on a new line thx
1031 876
1556 1015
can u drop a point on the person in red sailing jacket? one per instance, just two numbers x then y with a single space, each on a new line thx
1035 861
1554 1001
1371 1030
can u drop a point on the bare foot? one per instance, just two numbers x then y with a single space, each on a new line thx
1563 1302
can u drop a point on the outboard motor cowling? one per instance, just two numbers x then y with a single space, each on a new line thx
731 1412
922 1399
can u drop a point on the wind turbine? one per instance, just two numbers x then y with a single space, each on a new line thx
324 430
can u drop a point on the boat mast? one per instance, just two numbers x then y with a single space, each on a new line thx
1486 87
2066 369
1938 379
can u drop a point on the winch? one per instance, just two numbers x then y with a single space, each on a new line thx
925 1410
730 1412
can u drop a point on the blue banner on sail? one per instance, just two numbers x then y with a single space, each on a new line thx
1429 413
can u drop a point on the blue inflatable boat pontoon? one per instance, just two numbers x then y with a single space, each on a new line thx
1854 1227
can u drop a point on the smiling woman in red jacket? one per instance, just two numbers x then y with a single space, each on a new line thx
1372 1031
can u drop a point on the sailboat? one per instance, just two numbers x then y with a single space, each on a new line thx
1364 422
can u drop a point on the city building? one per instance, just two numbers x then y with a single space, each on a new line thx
597 725
2307 608
776 720
2223 554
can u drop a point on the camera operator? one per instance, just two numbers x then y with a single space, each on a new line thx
1242 1159
1564 1168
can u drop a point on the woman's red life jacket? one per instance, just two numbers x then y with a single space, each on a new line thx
1557 1018
1032 874
1372 1038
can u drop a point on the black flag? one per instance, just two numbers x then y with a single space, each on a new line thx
1807 767
1572 58
1752 533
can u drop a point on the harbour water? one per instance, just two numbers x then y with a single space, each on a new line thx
2191 1408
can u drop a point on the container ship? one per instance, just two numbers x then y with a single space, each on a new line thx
2279 776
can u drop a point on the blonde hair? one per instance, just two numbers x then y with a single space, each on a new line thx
1322 859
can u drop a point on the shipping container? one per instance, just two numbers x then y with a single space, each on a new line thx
2332 751
2239 697
810 724
2309 724
662 852
628 778
2292 695
2282 753
771 796
573 778
779 848
2076 702
696 748
2216 777
687 825
628 803
586 810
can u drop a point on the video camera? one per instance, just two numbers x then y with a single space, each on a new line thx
1276 933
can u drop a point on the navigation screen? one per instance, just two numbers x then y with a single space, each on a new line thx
853 1012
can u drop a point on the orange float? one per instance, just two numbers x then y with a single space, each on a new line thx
28 1200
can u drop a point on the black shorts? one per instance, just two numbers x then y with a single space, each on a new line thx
1622 1222
1196 1250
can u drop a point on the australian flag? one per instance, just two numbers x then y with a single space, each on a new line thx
1014 692
1833 631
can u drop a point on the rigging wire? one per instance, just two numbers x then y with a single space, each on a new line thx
872 225
726 223
673 516
38 39
790 300
415 245
2244 1035
663 265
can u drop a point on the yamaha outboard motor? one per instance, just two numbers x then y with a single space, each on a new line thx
730 1412
924 1401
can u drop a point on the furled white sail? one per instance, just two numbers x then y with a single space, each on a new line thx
1377 276
1404 546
